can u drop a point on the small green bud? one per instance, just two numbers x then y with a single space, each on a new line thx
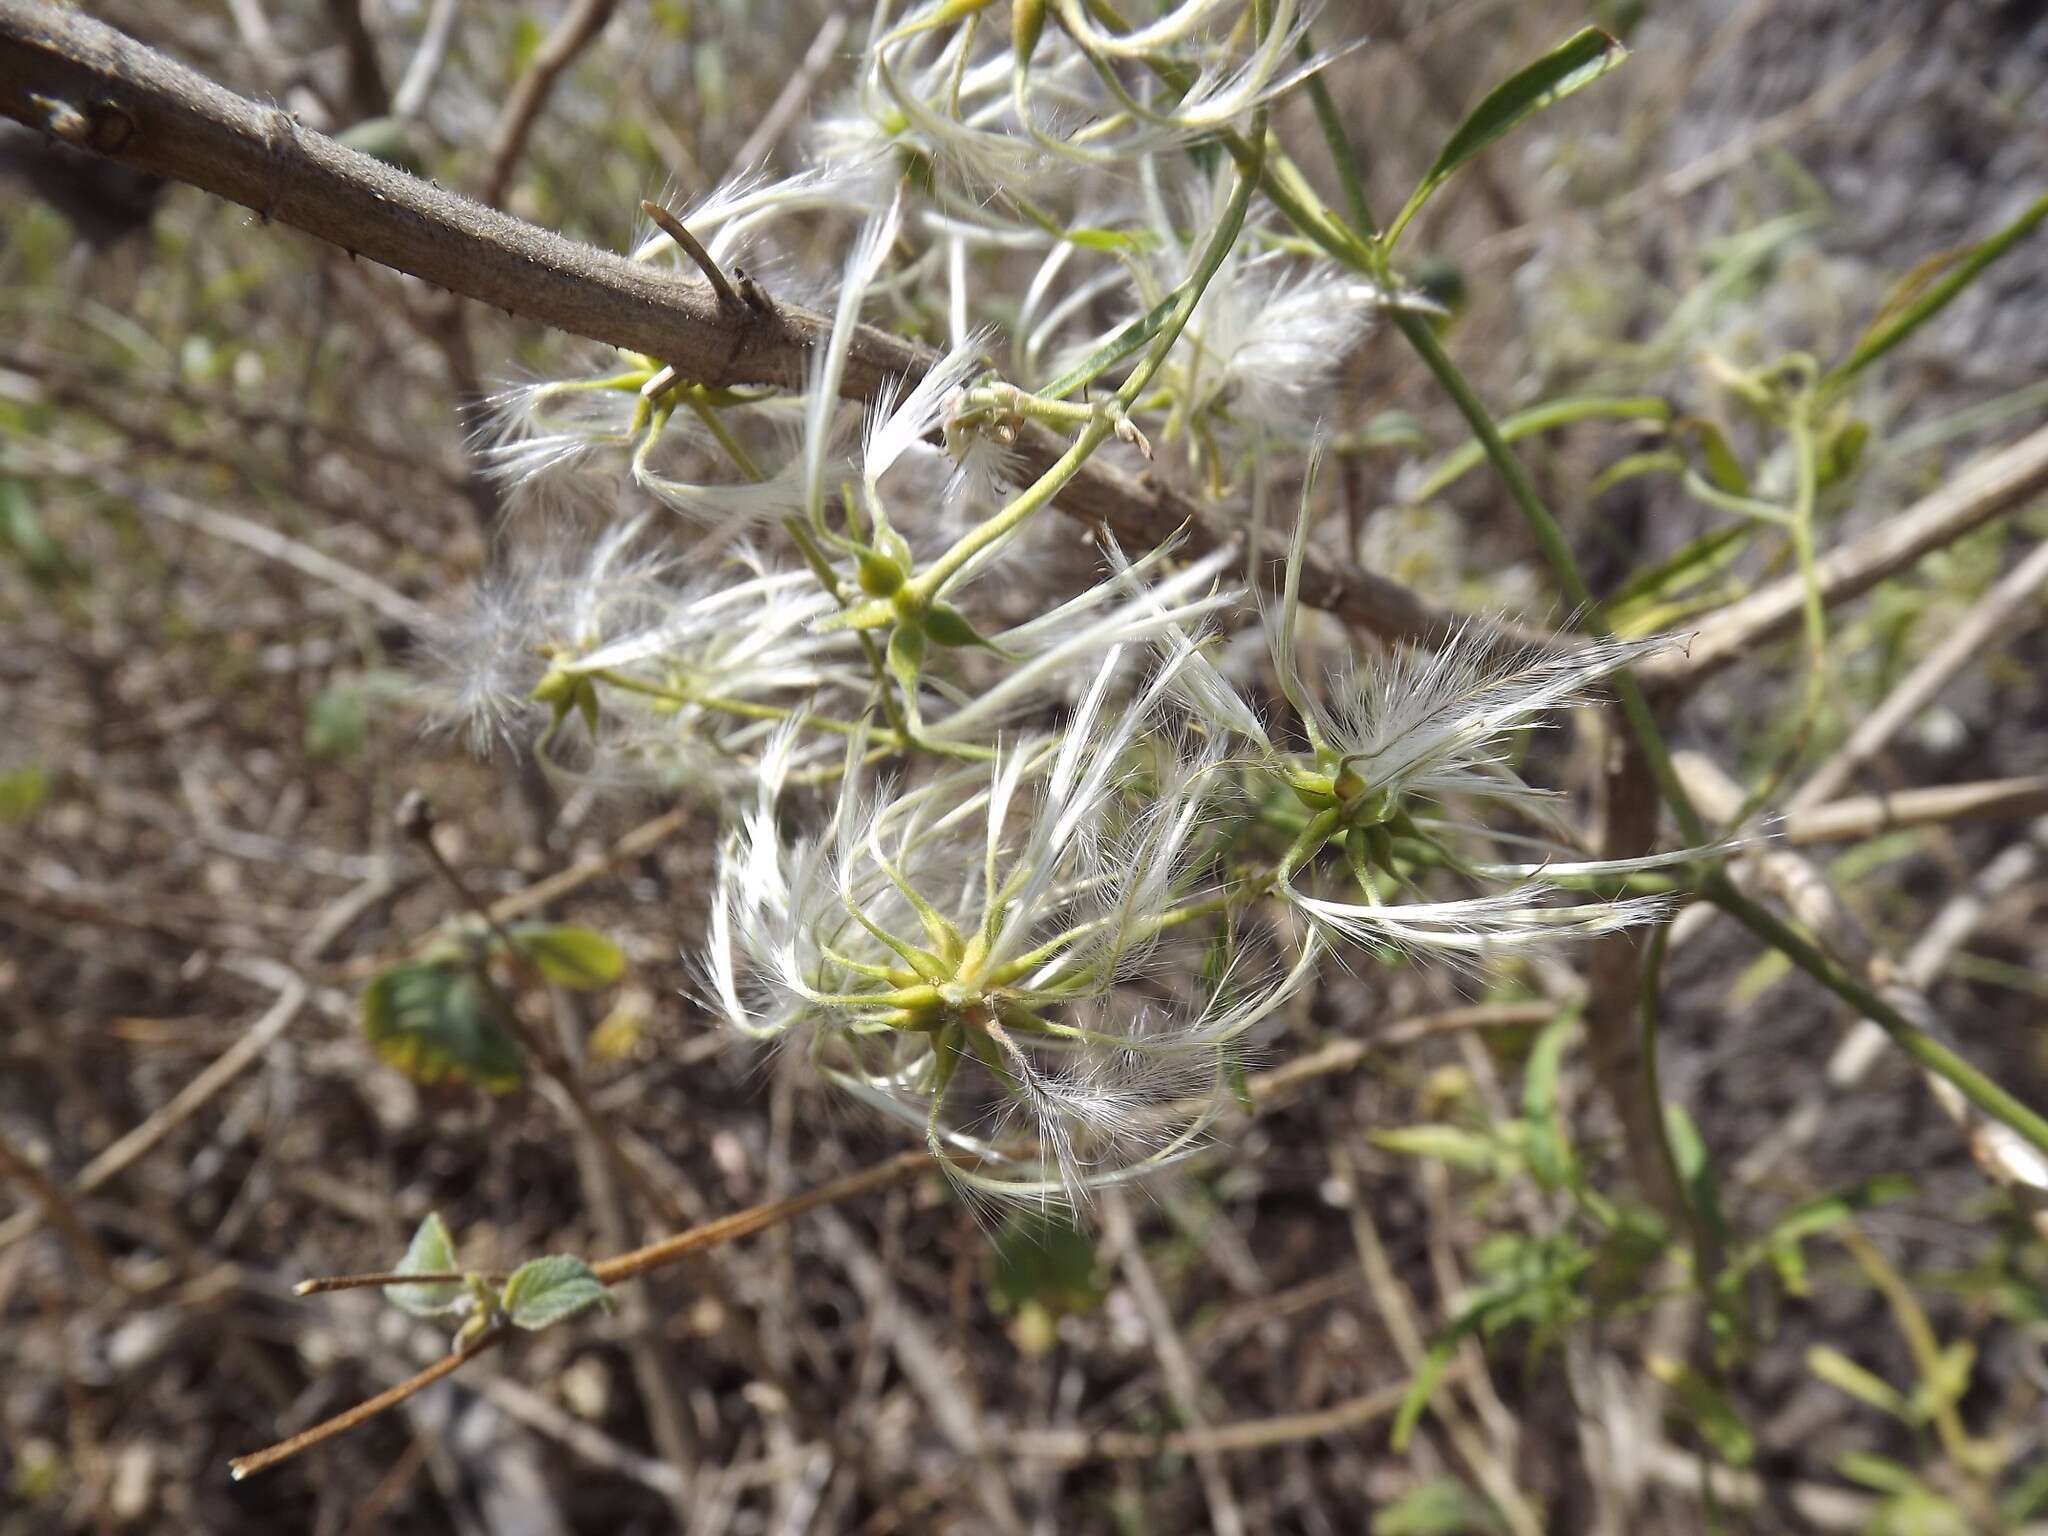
1027 22
950 627
568 691
880 576
907 647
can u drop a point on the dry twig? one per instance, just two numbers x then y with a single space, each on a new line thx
1993 486
131 103
579 25
187 1102
1999 612
1862 816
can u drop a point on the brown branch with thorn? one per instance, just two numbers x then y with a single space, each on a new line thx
64 73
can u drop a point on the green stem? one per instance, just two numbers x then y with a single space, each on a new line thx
1350 174
1937 1058
1813 610
693 397
1551 540
931 582
748 709
1706 1243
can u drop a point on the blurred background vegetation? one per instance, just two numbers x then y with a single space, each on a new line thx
235 478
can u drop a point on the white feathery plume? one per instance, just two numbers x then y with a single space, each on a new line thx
829 364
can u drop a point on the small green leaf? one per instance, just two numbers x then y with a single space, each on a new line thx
2027 1497
1841 450
22 536
1845 1375
1695 1171
1633 466
1718 462
1707 1409
1944 1385
569 956
1572 65
1445 1143
1421 1389
1758 977
1779 1245
339 717
1908 311
1123 344
1692 564
431 1252
434 1020
543 1292
1041 1256
1235 1080
907 643
1386 429
1543 418
1550 1157
1879 1472
23 792
338 720
1442 1506
568 693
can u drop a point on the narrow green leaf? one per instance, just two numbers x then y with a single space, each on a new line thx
1845 1375
431 1252
1443 1506
1421 1389
2028 1497
338 719
1841 450
1942 1387
905 655
23 538
1384 429
1445 1143
389 139
1902 320
1718 462
1879 1472
1758 977
433 1020
543 1292
571 956
1571 66
1692 563
1542 418
1811 1218
1633 466
1550 1157
1695 1171
1707 1409
1125 343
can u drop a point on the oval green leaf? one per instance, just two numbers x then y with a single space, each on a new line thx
570 956
431 1252
435 1021
544 1292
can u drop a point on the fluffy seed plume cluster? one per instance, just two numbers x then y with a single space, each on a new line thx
1007 854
